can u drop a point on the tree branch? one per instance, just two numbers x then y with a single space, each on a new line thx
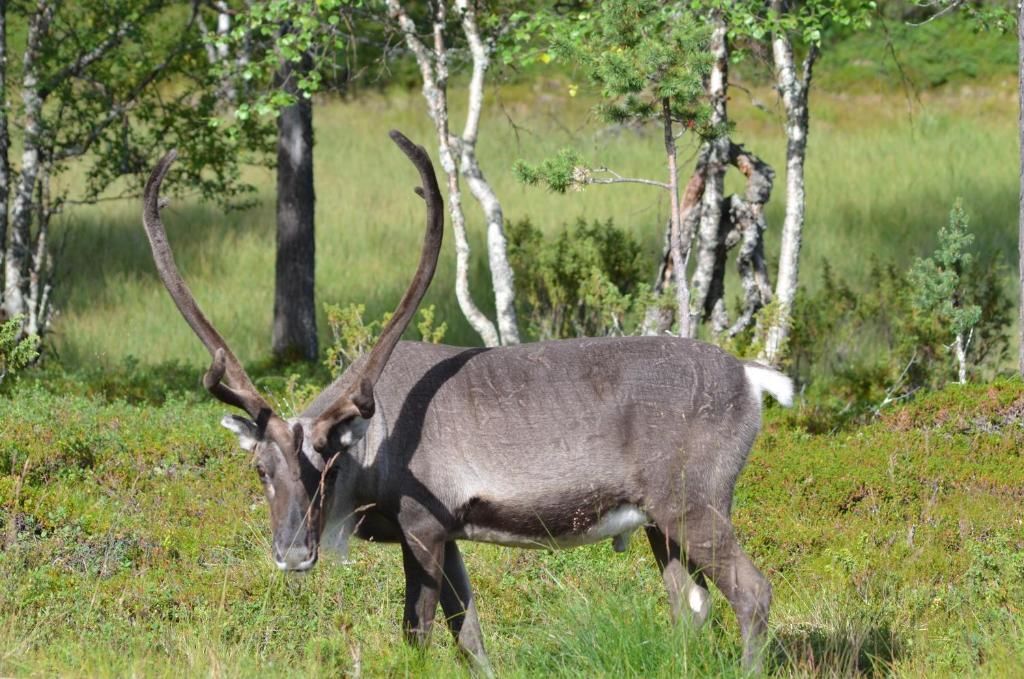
808 66
616 178
116 111
949 7
83 62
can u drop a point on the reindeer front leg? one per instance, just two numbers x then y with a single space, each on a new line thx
424 572
460 610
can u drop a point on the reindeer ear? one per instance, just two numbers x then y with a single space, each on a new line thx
345 420
246 430
352 430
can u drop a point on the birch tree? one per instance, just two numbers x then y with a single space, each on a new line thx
87 92
793 88
725 222
217 42
649 59
710 243
632 49
457 154
791 28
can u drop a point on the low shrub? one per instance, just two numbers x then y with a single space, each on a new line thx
352 335
857 350
583 281
15 351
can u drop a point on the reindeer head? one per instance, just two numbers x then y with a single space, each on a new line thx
294 458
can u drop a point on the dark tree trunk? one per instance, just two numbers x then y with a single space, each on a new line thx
294 302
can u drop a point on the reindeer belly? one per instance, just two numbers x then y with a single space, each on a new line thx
549 527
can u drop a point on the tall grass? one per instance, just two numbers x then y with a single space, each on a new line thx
881 176
141 547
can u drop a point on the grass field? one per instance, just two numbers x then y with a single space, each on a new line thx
882 175
141 549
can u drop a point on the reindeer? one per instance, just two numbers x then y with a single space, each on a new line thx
552 444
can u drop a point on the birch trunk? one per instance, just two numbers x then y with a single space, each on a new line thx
710 250
17 263
502 278
794 93
658 320
721 223
675 231
223 27
26 204
218 51
1020 218
40 267
5 146
433 65
228 90
960 348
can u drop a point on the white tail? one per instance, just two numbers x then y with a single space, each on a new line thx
763 378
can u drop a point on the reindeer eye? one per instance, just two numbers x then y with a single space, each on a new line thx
262 472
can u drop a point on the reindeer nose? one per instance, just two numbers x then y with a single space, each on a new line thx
295 559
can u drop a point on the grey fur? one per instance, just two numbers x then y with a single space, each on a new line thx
541 440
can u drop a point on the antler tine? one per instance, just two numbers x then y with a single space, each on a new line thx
430 193
360 394
239 390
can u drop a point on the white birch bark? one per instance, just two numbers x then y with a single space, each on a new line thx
1020 217
675 231
794 91
433 65
19 255
5 145
960 348
223 27
709 248
39 279
228 90
218 50
25 198
497 247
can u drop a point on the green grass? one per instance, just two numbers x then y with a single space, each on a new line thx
142 549
901 56
882 175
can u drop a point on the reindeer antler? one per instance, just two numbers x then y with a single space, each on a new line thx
358 399
226 379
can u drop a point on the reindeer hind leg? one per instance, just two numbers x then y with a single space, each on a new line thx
712 548
688 595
